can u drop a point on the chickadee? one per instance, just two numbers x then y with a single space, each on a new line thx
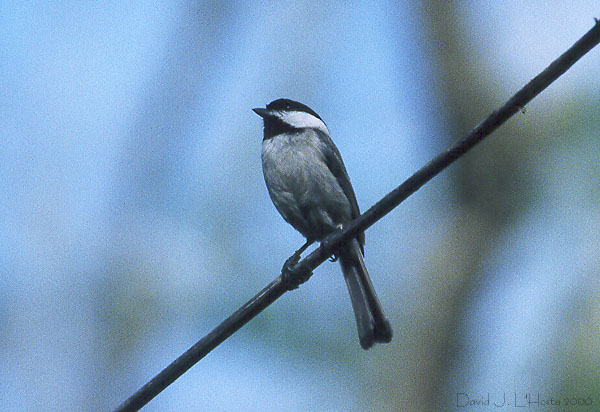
308 184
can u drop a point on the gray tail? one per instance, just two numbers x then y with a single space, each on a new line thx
371 322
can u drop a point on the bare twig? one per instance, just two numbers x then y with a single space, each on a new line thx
302 270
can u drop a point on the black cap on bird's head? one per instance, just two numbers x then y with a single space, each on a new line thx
284 115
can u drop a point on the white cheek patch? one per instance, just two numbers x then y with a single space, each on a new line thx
302 120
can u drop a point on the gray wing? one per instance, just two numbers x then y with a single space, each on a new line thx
334 162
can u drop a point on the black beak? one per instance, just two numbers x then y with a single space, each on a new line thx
262 112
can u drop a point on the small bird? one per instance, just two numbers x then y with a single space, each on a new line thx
308 184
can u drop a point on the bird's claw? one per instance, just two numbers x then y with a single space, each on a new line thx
291 274
326 243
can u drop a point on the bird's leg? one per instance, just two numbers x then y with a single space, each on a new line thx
293 277
302 249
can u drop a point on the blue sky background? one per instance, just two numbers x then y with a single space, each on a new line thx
135 218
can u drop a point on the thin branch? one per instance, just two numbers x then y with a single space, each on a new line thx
300 273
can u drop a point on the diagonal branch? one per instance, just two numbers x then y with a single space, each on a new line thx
302 270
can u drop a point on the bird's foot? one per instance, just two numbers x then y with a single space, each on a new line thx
292 275
326 243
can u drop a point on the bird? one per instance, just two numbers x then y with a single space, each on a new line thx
310 187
